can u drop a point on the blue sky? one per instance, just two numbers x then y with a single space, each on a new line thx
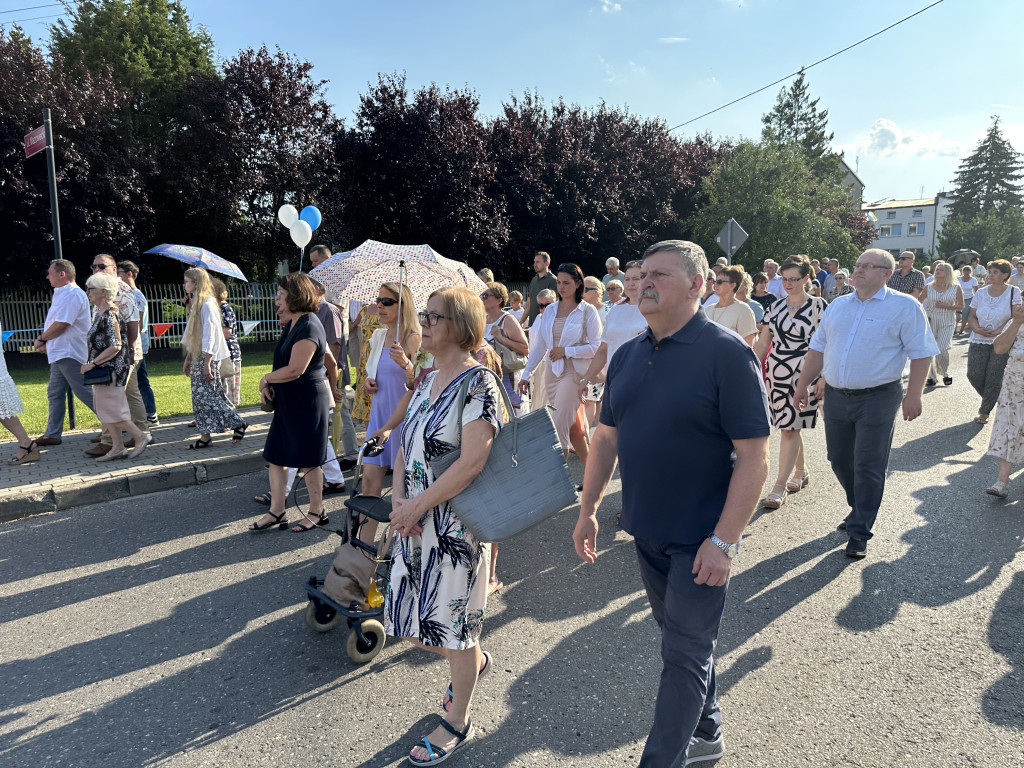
905 106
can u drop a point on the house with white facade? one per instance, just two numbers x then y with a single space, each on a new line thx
908 225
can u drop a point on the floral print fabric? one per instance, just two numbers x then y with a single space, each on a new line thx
438 588
108 331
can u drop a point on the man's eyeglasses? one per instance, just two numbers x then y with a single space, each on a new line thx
589 289
386 301
542 306
99 267
429 318
906 258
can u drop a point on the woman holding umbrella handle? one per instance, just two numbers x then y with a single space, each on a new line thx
388 377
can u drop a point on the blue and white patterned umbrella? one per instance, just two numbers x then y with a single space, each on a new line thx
199 257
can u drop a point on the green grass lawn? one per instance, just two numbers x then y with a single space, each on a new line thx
170 385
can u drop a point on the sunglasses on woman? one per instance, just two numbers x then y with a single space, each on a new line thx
385 301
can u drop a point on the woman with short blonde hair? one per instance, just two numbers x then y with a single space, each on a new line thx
109 348
437 596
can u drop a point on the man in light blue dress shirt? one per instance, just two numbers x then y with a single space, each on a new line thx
860 349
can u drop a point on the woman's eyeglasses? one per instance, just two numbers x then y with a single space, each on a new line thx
589 289
723 282
429 319
486 295
385 301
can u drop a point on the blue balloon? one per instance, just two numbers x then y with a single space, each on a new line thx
311 215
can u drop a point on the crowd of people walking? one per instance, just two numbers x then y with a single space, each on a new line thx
707 358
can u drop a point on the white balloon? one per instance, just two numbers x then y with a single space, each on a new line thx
301 233
287 215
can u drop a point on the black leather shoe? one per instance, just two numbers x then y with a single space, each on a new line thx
841 526
857 548
931 383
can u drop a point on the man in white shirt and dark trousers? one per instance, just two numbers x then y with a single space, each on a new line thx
860 350
63 340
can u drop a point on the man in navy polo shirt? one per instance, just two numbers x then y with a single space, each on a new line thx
679 401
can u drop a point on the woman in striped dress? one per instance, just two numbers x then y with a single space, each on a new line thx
943 301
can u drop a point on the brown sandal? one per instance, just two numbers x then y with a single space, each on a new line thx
31 454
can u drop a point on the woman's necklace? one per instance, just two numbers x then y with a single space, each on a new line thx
445 377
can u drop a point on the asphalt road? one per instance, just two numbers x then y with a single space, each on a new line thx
156 631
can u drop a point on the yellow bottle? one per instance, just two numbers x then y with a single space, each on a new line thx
374 598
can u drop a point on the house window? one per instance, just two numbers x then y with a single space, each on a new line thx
895 252
890 214
890 230
915 228
918 213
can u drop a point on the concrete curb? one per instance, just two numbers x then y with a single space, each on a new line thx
65 478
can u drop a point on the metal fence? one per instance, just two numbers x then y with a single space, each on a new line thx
23 313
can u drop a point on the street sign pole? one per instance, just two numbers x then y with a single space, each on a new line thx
730 238
51 167
58 251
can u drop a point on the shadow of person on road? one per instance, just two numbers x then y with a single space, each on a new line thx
1003 703
194 626
115 532
946 561
935 448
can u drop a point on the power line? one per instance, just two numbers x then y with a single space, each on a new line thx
30 8
34 18
809 66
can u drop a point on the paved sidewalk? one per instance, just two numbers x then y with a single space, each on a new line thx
65 477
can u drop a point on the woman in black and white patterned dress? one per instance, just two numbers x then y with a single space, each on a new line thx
437 594
788 326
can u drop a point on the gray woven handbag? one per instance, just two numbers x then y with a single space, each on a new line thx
525 480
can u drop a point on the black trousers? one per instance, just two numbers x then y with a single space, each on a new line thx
858 434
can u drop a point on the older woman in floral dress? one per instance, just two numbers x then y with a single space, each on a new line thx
437 593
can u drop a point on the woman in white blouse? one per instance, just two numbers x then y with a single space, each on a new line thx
205 347
990 312
568 334
624 323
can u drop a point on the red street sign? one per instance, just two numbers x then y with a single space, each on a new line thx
35 142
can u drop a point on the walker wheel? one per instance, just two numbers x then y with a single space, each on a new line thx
360 652
320 617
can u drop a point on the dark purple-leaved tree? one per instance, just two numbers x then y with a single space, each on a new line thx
103 204
416 169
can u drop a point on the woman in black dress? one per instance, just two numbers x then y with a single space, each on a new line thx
302 402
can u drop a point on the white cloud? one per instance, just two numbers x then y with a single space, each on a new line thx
614 75
887 139
673 40
609 7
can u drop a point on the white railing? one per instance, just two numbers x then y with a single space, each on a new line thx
24 312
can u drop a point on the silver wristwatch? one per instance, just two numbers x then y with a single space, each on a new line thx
731 550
